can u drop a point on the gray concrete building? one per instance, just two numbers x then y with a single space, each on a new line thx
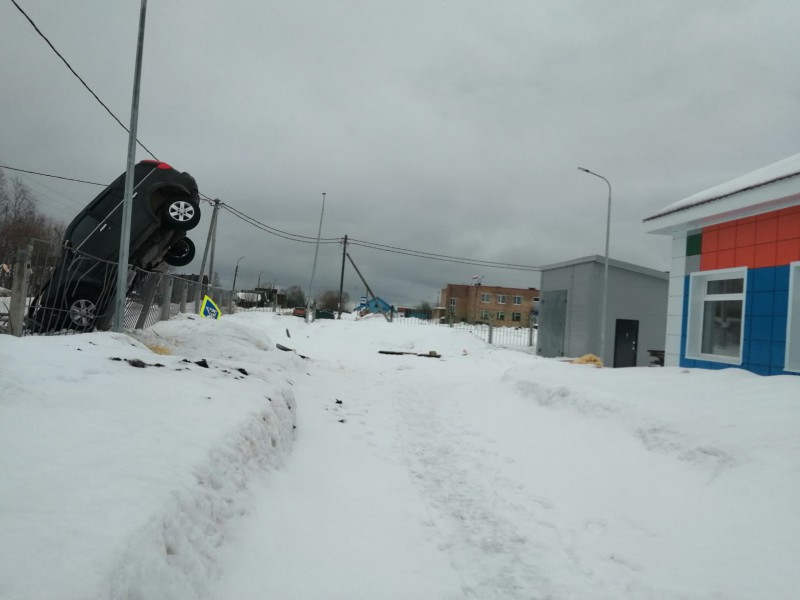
571 299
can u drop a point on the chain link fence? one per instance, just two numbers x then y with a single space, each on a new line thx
58 291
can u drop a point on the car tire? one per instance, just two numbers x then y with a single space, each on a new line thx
181 213
82 308
181 253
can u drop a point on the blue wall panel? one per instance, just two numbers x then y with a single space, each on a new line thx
766 308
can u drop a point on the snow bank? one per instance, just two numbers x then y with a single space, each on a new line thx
122 468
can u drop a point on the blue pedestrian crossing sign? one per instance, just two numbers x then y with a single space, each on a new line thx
209 310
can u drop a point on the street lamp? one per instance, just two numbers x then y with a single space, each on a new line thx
235 273
314 268
605 268
258 285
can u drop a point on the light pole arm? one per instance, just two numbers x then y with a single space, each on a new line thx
604 308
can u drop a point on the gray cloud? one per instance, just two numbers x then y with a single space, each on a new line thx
449 127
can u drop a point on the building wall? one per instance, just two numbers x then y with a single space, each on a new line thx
631 295
641 298
468 304
583 301
765 244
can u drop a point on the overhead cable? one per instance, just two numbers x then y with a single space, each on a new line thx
53 176
295 237
442 257
86 85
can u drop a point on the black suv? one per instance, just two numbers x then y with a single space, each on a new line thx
80 290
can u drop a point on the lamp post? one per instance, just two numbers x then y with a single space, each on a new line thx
314 268
605 268
258 285
127 198
235 273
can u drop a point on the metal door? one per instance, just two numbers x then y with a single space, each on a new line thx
552 323
626 340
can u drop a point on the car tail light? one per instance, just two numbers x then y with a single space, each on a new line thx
157 163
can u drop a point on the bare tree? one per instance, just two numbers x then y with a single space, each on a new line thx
21 221
330 300
295 296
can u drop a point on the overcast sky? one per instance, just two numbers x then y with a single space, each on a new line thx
449 127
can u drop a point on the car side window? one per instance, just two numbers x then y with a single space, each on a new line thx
95 238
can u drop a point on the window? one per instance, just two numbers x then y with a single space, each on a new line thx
486 297
452 304
793 322
501 298
516 316
716 315
485 315
518 300
501 316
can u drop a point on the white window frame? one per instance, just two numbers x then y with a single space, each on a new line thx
791 361
486 315
516 317
501 298
694 320
501 315
452 303
518 300
486 298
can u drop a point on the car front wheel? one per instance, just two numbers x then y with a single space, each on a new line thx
181 213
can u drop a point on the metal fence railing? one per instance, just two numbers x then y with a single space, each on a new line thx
493 334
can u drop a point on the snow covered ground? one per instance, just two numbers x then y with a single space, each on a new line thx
195 460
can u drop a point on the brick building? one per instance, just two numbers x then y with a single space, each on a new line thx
500 306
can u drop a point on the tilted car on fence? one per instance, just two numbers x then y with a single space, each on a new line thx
80 290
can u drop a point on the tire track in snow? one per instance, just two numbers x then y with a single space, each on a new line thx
477 509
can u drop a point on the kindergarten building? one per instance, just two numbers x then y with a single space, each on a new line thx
734 288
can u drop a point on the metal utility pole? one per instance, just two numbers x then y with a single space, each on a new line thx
341 278
314 268
211 229
127 202
605 269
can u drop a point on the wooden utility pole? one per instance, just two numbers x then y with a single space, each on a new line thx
341 278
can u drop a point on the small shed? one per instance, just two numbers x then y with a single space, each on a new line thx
570 306
734 292
373 305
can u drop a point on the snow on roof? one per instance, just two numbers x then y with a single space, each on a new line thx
783 169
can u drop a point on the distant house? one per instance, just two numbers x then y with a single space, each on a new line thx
734 292
571 310
489 304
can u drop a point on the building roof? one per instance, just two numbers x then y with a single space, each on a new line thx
765 187
612 262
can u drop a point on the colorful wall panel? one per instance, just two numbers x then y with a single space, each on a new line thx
766 244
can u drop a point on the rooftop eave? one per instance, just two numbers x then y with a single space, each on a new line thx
774 195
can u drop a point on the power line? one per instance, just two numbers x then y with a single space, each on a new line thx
52 176
86 85
295 237
443 257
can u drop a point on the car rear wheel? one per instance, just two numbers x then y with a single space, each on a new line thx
181 253
181 213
